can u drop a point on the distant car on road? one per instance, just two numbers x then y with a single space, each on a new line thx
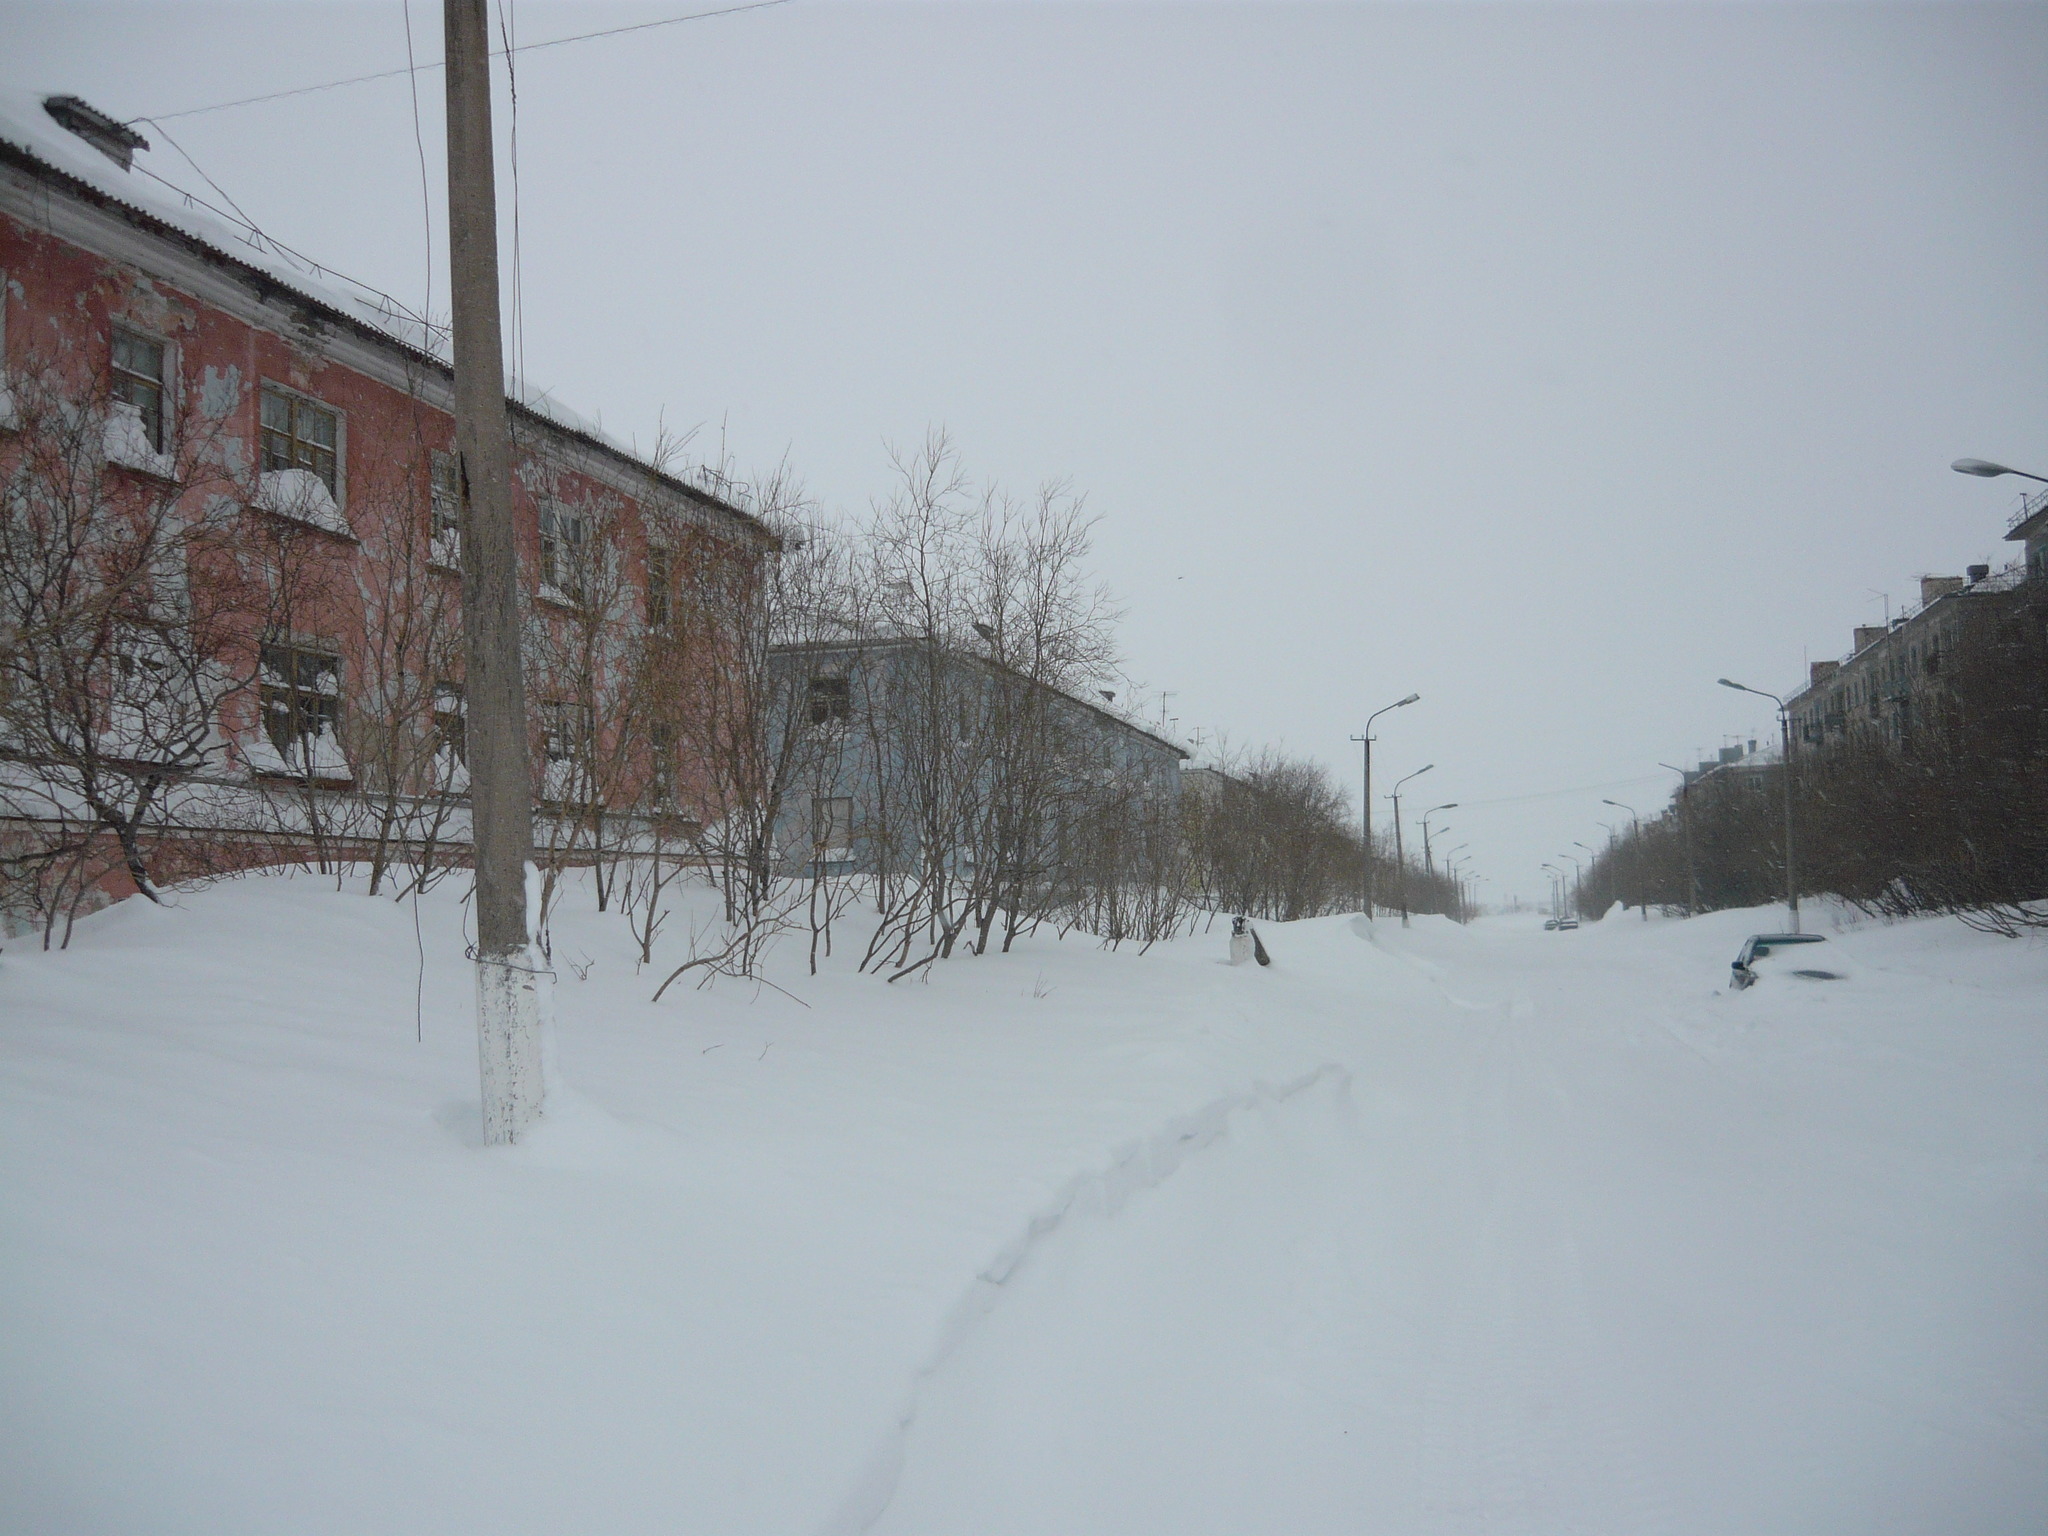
1567 922
1758 946
1550 925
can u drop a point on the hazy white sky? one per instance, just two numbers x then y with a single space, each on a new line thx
1552 361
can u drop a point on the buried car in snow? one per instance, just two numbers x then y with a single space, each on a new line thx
1758 946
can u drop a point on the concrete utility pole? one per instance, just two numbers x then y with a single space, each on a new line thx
1365 741
1636 821
1692 880
1400 854
512 992
1785 772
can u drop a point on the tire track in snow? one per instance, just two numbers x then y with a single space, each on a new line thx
1139 1165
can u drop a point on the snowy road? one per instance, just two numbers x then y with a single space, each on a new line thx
1446 1231
1581 1259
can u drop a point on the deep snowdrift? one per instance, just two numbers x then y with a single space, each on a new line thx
1449 1230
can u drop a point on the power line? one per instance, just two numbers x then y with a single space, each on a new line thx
1558 794
411 69
426 201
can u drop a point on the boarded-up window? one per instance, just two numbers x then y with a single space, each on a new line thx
832 818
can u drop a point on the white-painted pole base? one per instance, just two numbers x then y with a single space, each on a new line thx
514 1004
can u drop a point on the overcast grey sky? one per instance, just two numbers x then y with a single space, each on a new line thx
1552 361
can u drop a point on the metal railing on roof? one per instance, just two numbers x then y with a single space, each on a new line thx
2028 507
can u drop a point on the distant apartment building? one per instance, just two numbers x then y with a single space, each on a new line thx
1894 671
884 710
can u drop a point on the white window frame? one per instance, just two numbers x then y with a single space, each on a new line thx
554 521
122 448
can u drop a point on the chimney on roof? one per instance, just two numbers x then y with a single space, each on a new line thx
1932 587
1820 671
116 140
1869 634
1977 573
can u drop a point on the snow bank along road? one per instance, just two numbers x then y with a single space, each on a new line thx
1443 1230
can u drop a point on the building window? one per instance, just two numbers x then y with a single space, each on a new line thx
297 434
451 723
139 384
661 579
301 702
661 754
444 494
832 824
567 730
831 700
561 552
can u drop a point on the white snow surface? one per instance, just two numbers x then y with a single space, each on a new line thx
1443 1230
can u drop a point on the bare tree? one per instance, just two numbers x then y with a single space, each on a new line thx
124 591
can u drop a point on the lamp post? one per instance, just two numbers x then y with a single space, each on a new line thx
1401 857
1365 741
1642 903
1556 890
1448 805
1785 733
1578 883
1692 880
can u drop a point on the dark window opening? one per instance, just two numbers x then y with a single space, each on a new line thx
831 699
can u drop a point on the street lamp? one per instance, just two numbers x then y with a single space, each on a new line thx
1401 857
1990 472
1692 880
1642 903
1365 742
1578 882
1556 889
1448 805
1785 731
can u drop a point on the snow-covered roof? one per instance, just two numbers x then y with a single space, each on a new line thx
27 126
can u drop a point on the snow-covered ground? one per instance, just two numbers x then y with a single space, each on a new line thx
1444 1230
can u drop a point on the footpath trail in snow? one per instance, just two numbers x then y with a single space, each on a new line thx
1442 1230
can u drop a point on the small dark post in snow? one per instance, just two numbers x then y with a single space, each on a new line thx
511 989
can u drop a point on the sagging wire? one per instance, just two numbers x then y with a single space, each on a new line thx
392 74
264 240
508 34
420 144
